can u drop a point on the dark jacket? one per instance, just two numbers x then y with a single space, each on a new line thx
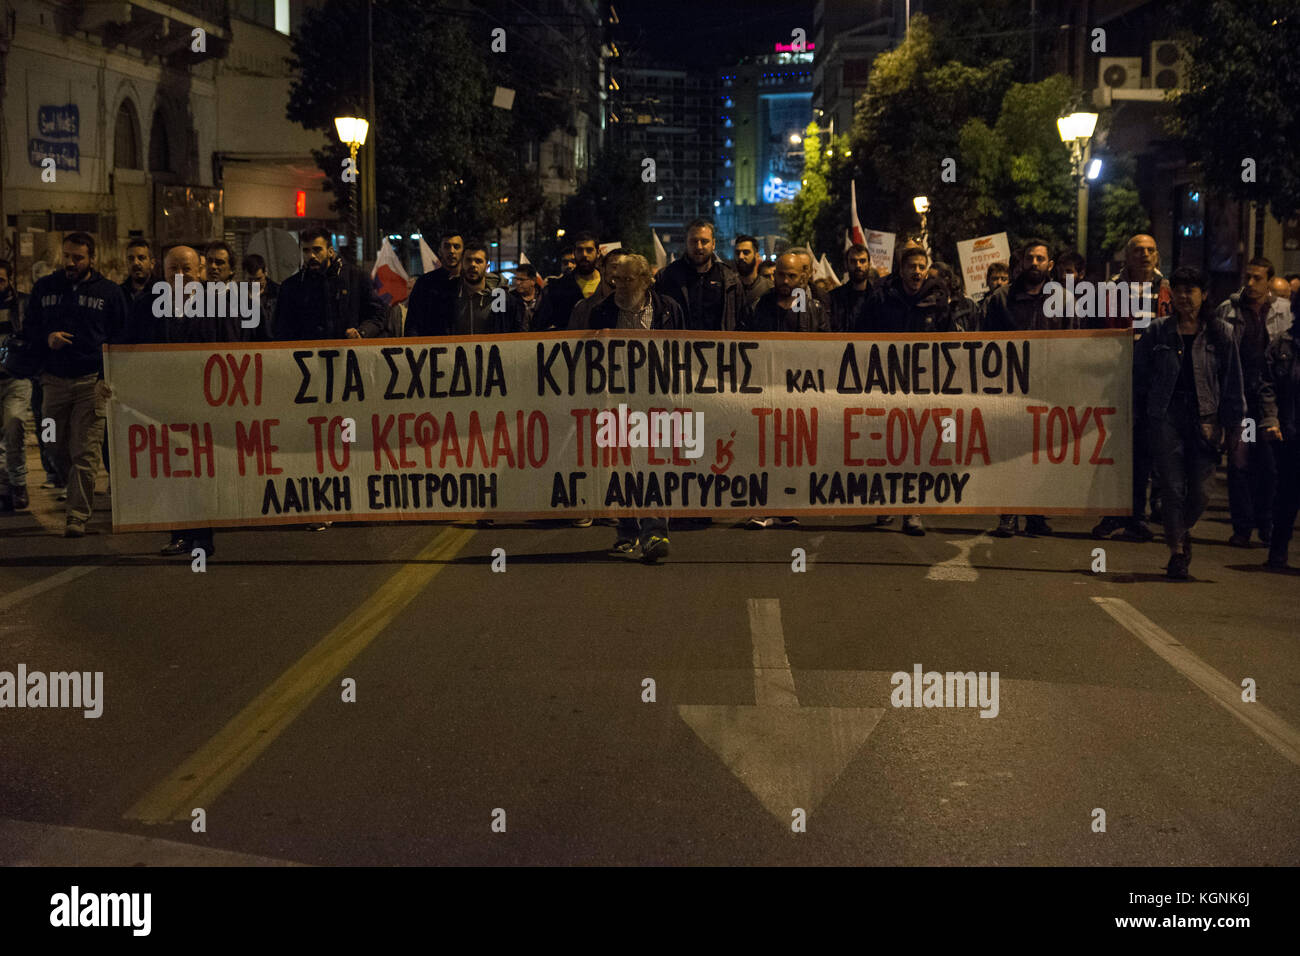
967 316
19 357
754 291
768 316
1013 308
442 314
428 289
891 309
92 312
1157 360
131 294
143 327
1279 385
680 277
667 314
849 307
556 306
315 306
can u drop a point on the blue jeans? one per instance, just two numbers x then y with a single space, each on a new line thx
1184 464
15 399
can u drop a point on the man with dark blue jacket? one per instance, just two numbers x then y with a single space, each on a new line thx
1279 400
706 288
70 315
327 298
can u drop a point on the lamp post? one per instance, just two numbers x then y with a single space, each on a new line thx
352 130
1076 132
922 205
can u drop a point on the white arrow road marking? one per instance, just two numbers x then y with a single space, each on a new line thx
1275 731
958 568
787 755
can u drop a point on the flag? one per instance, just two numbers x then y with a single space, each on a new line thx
828 270
389 278
523 258
848 241
428 261
858 234
609 247
661 257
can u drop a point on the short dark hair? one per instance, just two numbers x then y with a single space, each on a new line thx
582 237
1291 275
856 249
1185 276
702 224
911 251
745 238
1033 243
138 242
448 234
81 239
1261 261
764 264
998 268
476 245
314 233
220 245
566 253
1071 258
253 263
527 271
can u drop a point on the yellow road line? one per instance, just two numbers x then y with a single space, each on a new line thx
201 778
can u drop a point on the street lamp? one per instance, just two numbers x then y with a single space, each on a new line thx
1076 132
922 205
352 130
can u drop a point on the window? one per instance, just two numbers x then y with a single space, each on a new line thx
126 138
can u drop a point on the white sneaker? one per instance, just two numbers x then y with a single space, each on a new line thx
760 522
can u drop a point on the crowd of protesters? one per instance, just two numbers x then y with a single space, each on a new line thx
1206 381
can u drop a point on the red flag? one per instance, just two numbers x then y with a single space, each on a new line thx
390 279
858 235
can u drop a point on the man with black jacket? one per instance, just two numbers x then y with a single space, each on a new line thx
140 267
1279 400
470 305
789 307
555 309
707 289
849 301
327 298
70 315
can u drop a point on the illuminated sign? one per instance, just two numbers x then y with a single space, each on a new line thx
775 189
789 47
300 203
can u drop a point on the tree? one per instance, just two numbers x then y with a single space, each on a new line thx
1237 118
613 202
818 214
445 155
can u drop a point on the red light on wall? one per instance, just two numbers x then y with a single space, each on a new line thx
300 203
789 47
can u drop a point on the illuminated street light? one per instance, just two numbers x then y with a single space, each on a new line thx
352 130
1076 131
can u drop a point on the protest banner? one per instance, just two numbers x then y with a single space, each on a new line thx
976 255
565 425
880 246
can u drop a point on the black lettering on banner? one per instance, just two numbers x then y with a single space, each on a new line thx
745 387
389 393
300 398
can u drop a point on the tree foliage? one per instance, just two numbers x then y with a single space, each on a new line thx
1240 103
445 156
818 214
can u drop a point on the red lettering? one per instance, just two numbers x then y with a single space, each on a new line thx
1036 411
896 415
1097 414
214 360
1057 414
380 440
939 415
762 414
977 431
137 440
316 421
850 435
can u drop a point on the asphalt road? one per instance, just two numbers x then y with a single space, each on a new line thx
519 697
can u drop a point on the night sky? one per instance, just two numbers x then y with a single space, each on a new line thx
710 32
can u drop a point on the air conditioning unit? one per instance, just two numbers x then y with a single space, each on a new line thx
1169 64
1120 72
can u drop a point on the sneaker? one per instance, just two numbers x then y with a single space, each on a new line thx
654 548
1006 526
1135 529
74 529
1239 540
21 501
484 523
760 522
1276 562
1176 569
912 525
884 521
1036 525
582 522
49 483
624 546
318 526
179 545
61 494
787 522
1106 527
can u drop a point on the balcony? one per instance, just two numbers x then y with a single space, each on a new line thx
162 29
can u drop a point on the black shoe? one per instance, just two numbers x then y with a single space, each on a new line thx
1036 525
1239 540
1135 530
1106 527
653 548
884 521
21 501
1176 570
1006 527
1277 562
179 545
912 525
